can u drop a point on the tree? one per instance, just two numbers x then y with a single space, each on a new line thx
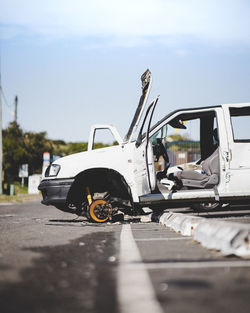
74 147
23 148
27 148
178 137
35 145
14 151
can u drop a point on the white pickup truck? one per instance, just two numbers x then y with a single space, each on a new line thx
124 177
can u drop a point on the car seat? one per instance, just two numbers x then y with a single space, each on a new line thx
208 178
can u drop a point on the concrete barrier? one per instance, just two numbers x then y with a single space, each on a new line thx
227 237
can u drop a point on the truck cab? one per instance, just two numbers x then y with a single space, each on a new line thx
208 165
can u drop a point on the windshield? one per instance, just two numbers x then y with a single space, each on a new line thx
160 134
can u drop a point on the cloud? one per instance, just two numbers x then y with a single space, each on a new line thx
129 22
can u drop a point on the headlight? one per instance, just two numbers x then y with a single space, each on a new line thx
52 170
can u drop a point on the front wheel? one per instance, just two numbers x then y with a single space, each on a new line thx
100 211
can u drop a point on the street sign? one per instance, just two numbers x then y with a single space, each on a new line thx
46 159
23 171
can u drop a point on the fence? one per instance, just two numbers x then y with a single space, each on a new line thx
180 152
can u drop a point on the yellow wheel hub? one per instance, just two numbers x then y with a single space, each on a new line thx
99 211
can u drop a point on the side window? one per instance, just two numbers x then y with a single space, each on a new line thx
181 140
160 134
240 121
187 138
103 137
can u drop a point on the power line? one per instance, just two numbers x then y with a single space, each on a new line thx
5 99
9 107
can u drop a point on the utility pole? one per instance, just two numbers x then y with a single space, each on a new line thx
15 115
1 139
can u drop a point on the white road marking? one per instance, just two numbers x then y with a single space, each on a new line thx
135 290
7 215
164 239
192 265
6 203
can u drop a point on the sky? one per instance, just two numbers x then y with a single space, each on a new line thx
77 63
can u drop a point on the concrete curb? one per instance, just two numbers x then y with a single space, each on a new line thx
227 237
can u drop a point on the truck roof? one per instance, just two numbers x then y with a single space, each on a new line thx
198 108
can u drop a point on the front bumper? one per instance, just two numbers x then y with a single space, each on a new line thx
55 191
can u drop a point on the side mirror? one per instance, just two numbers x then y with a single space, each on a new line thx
177 123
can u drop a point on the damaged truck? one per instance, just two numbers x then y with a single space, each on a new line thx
141 170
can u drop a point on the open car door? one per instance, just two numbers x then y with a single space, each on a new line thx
144 170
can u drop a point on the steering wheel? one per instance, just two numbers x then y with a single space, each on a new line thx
160 150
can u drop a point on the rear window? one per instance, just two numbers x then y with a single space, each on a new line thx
240 120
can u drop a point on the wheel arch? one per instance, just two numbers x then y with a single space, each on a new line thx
98 180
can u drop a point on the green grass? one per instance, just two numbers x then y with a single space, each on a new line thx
19 189
19 198
20 194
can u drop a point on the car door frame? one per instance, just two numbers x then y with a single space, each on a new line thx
144 172
189 195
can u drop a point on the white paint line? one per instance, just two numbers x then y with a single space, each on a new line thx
164 239
7 215
6 203
193 265
135 290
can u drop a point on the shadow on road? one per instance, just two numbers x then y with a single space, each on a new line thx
76 277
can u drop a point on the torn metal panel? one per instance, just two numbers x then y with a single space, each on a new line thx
146 80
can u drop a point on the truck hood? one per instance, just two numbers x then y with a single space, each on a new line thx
146 80
71 165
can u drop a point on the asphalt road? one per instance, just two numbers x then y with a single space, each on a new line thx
51 262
